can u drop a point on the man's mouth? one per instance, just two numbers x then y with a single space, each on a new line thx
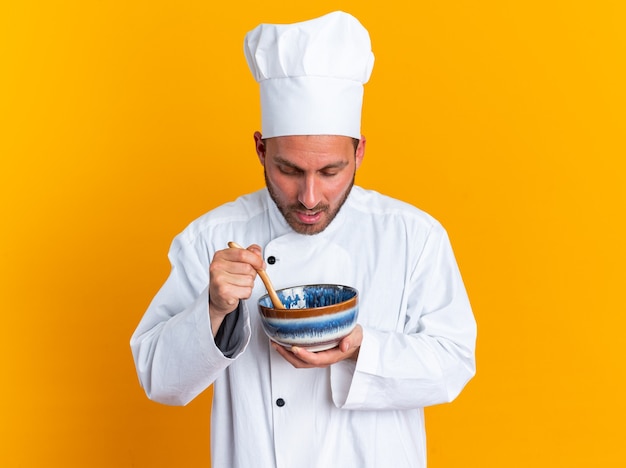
306 217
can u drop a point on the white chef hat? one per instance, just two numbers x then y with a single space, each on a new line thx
311 75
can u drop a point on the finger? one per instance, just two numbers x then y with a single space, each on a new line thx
239 273
290 357
231 263
227 288
252 256
353 341
226 297
320 358
255 249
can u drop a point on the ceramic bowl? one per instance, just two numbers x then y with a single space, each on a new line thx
316 317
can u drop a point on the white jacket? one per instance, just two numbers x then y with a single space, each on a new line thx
418 337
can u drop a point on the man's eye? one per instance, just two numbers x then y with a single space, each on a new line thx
288 170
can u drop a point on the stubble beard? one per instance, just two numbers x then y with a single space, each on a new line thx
288 212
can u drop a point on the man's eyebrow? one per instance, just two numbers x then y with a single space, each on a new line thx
284 162
335 165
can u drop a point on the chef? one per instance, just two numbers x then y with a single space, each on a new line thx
359 404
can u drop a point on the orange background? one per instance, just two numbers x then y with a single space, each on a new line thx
121 121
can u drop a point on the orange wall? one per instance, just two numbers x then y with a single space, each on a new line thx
121 121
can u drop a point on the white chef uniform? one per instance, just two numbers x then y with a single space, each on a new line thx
418 337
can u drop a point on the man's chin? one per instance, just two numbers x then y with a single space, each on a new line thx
306 228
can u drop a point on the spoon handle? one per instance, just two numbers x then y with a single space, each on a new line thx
266 281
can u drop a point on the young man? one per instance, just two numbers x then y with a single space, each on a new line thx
360 404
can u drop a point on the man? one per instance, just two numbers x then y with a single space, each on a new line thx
361 403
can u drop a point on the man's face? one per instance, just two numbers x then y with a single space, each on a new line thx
309 177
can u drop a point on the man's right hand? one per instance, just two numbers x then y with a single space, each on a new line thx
231 278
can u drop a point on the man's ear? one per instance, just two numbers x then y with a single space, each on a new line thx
259 147
360 151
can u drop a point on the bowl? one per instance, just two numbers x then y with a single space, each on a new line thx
316 317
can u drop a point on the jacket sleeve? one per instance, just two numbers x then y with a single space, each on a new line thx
175 355
432 358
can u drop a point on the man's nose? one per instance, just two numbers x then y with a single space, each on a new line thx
308 193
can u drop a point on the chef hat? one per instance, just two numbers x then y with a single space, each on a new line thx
311 75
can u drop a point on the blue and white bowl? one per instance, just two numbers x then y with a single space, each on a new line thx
316 317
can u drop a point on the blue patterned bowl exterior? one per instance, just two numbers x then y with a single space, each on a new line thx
316 317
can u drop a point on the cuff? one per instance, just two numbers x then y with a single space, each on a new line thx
231 334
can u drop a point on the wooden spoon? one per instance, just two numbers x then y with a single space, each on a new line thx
266 281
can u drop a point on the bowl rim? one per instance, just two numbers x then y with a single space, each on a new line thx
271 312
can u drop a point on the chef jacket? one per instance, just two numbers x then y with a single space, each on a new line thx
418 344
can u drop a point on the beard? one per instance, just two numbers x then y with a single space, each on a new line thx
289 211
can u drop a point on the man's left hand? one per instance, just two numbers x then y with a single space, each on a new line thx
300 358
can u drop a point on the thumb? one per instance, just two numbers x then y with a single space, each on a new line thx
256 249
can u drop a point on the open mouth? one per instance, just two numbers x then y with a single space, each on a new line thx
309 218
